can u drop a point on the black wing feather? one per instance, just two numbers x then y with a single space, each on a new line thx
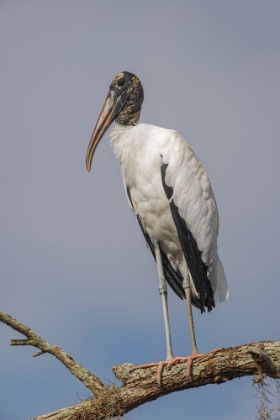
192 254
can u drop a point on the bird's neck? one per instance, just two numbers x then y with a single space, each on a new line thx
128 116
130 113
120 136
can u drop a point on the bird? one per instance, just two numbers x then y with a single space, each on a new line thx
170 194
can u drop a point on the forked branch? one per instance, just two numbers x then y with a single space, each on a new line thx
91 381
140 385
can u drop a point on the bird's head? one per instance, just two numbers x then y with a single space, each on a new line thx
123 105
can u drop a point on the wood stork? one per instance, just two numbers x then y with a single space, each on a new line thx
170 194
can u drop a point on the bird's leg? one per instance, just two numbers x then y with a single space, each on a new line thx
187 288
170 361
162 288
195 354
163 292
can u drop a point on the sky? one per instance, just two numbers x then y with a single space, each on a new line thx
74 265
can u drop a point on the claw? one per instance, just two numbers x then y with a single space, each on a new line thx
169 363
160 366
189 360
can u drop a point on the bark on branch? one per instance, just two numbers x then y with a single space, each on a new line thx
140 386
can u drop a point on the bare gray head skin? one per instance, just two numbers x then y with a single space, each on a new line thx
123 105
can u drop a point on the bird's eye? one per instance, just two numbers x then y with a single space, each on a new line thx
121 82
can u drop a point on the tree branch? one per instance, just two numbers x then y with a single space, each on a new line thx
91 381
139 386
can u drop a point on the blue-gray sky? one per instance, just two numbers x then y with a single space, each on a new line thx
74 265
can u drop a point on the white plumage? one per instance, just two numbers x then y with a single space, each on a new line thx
170 194
141 150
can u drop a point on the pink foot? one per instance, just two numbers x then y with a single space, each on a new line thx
160 366
189 360
170 363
